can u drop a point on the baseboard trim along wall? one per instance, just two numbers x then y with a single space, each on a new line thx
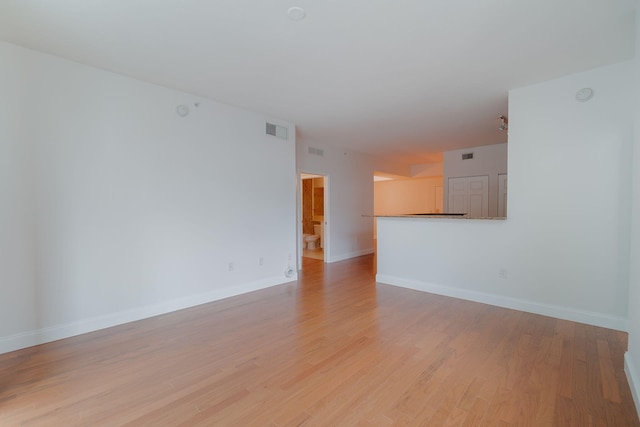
566 313
350 255
53 333
632 378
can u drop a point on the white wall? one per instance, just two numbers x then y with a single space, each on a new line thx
350 196
564 247
632 358
115 208
490 160
17 207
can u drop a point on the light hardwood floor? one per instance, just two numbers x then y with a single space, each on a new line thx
332 349
317 253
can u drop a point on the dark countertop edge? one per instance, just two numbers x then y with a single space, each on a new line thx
456 217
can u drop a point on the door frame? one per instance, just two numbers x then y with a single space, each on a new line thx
326 244
503 194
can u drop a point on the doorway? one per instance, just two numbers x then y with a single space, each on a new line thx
313 217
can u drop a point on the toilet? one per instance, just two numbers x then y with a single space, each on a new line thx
310 241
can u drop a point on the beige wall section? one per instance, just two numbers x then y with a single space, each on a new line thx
405 196
307 206
318 200
427 170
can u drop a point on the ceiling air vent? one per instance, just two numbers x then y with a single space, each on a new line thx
276 130
467 156
316 151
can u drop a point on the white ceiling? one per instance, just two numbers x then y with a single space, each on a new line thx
395 78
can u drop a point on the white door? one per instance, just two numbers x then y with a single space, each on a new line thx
478 196
458 198
502 195
469 195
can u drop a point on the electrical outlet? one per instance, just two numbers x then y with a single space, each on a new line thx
502 273
261 261
231 266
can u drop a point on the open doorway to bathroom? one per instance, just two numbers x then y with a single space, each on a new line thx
313 218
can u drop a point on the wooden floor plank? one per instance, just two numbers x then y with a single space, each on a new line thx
331 349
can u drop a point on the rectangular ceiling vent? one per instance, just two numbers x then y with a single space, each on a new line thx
276 130
467 156
316 151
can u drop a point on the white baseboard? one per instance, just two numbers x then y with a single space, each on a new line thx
53 333
566 313
350 255
632 378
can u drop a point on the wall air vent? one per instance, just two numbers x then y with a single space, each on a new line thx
467 156
277 130
316 151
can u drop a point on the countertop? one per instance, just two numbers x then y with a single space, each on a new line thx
437 216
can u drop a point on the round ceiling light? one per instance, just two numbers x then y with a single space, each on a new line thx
296 13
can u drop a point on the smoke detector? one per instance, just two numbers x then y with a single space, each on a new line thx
182 110
584 94
296 13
